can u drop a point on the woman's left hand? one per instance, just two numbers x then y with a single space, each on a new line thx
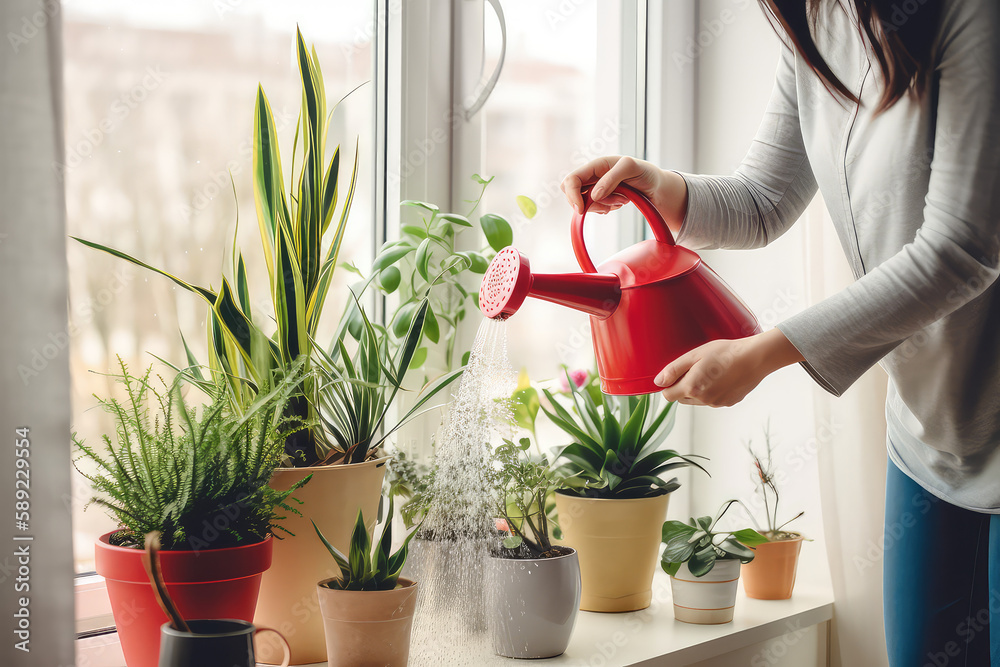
722 372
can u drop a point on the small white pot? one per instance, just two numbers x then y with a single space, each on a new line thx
706 600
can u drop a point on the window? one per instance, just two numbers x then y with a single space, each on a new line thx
159 110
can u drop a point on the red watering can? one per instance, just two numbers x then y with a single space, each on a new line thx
648 304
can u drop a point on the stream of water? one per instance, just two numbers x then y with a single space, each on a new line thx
450 626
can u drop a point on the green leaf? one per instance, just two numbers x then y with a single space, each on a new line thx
432 328
389 279
497 230
525 407
403 317
670 568
465 357
391 255
460 220
749 537
420 204
527 206
482 181
419 357
702 561
512 542
414 230
423 258
736 550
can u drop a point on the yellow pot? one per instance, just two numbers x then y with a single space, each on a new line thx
288 601
618 543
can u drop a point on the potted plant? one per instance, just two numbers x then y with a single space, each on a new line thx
535 585
704 566
771 575
368 609
301 232
616 517
201 479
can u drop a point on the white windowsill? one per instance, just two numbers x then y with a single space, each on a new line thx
652 636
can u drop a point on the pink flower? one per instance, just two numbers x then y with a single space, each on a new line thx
579 378
501 525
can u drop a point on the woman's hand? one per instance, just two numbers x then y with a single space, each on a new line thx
666 189
721 373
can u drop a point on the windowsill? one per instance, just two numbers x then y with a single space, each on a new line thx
652 636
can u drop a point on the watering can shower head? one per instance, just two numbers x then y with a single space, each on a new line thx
505 285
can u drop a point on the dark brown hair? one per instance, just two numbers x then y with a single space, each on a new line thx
901 34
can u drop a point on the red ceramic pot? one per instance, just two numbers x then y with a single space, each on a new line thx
207 584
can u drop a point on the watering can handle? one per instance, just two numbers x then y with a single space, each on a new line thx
656 222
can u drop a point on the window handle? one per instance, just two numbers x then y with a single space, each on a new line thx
487 88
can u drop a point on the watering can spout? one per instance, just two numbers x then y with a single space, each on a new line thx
509 280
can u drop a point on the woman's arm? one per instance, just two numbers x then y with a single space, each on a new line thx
748 209
955 256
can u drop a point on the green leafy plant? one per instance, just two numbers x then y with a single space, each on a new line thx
700 545
524 485
425 264
765 480
199 477
301 236
370 565
358 389
616 447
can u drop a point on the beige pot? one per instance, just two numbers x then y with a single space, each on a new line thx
771 573
709 599
368 628
618 542
287 600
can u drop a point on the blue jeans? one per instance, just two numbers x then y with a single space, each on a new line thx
941 580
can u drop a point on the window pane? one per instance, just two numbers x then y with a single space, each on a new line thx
556 106
159 110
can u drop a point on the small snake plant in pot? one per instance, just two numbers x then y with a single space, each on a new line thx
704 566
368 608
615 517
533 584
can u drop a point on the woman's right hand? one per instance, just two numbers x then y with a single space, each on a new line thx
665 189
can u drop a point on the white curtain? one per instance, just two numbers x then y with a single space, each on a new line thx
34 375
852 465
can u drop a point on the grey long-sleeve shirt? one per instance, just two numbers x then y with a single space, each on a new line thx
914 194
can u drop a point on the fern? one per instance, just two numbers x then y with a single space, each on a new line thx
199 477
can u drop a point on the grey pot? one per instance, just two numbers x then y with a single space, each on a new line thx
533 605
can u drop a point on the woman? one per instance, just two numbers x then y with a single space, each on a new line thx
892 110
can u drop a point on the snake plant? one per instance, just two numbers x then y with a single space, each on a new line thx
370 564
616 446
302 234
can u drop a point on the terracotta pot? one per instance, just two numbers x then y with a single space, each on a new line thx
709 599
368 628
535 602
771 573
206 584
618 542
288 591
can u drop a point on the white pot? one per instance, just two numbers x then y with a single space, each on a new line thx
709 599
